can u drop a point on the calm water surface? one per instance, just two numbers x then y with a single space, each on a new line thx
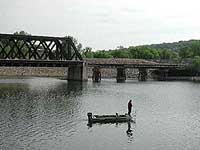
49 114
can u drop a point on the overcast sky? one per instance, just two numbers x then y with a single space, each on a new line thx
104 24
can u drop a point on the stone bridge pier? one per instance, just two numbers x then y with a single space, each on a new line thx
121 74
77 72
163 74
160 74
142 76
96 74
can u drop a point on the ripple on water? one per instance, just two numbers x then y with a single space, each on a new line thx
43 113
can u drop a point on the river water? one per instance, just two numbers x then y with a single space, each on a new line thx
49 114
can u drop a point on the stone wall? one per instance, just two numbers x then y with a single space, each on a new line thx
112 72
59 72
34 71
62 72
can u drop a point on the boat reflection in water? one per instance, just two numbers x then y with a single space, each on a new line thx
129 130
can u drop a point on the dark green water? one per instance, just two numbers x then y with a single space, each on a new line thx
49 114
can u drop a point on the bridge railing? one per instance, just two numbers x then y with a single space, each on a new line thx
37 48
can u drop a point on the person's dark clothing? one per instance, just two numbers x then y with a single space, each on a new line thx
129 107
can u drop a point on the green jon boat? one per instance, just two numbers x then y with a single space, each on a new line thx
109 118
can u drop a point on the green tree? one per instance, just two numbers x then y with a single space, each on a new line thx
21 33
134 52
195 48
155 53
122 53
175 57
102 54
143 52
87 52
74 40
185 53
165 54
78 45
196 63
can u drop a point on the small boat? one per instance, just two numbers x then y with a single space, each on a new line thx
109 118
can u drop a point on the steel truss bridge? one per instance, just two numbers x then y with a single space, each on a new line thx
25 50
42 51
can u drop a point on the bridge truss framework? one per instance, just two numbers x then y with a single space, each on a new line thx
37 48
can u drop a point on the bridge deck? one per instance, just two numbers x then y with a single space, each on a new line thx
150 66
66 63
130 63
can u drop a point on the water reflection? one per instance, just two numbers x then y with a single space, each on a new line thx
90 125
130 132
11 90
37 110
51 114
30 98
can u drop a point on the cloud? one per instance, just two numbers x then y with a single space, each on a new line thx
103 23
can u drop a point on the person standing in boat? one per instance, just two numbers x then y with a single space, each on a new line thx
129 107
